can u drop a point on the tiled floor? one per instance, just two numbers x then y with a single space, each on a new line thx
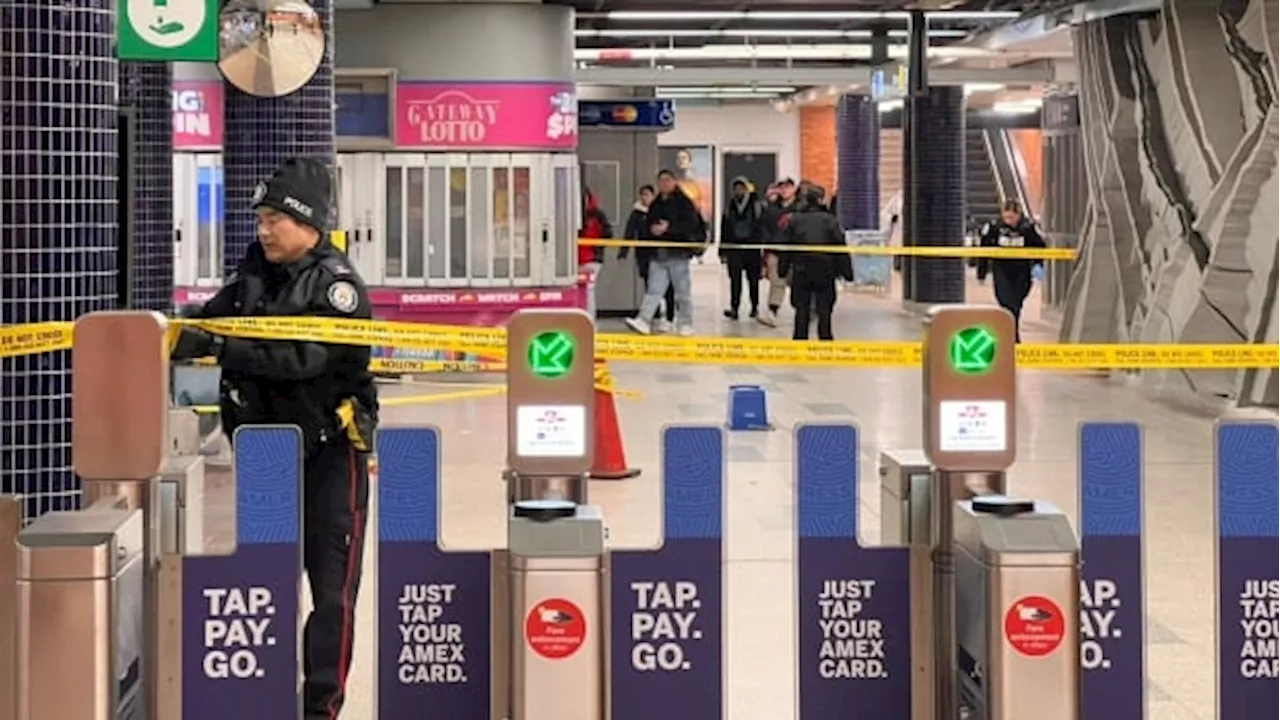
886 405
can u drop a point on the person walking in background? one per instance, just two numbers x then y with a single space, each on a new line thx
673 219
742 224
637 223
782 197
1013 277
595 225
813 274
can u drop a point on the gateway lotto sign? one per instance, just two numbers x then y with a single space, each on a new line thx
197 115
498 115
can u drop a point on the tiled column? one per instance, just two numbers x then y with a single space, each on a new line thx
58 203
933 188
259 133
146 89
858 162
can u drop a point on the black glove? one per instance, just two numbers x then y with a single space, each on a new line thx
194 343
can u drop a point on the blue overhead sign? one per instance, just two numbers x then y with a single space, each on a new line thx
651 115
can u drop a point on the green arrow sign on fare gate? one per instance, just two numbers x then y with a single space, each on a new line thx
972 350
551 354
167 30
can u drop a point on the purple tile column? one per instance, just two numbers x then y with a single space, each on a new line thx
933 183
146 88
858 162
58 203
259 133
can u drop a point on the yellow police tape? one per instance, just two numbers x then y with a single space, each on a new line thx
993 253
491 343
401 401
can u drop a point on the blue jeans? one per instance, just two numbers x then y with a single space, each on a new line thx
664 273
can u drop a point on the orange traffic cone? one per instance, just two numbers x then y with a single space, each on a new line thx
610 457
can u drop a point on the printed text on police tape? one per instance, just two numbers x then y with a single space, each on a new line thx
664 622
432 648
238 621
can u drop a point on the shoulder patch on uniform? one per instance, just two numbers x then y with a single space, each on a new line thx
339 267
344 297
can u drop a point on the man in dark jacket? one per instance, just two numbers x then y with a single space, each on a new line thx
742 224
637 222
673 219
324 389
1013 278
813 274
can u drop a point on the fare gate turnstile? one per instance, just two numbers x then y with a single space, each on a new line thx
99 589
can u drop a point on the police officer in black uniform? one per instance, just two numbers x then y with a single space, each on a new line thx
813 273
324 389
1013 277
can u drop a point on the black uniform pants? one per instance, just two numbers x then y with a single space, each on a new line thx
1011 294
336 502
812 296
743 264
669 298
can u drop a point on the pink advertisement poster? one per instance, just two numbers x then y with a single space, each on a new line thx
487 115
197 115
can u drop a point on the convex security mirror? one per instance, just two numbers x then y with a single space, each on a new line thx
269 48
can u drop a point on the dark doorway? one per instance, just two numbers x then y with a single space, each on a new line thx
760 168
125 188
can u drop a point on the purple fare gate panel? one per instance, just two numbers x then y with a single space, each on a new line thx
240 612
1248 490
1112 606
433 606
668 604
854 632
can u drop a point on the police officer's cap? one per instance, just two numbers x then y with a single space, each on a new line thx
300 188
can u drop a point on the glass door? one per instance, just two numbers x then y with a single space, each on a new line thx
360 198
566 208
198 219
404 219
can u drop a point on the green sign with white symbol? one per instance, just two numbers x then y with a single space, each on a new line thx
167 30
551 354
972 350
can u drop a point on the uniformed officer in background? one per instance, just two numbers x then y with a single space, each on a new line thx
324 389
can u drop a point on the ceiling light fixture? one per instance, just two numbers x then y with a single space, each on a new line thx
765 52
723 89
796 15
749 33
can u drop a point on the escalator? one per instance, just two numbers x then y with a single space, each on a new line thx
982 193
1004 167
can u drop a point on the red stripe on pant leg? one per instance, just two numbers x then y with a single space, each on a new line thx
348 612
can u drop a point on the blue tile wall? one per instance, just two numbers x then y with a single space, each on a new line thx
145 87
858 162
262 132
58 93
933 162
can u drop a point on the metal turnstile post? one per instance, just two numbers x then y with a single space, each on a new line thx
556 551
80 594
556 618
1017 575
10 523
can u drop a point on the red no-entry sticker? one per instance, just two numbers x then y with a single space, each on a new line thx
1034 626
555 628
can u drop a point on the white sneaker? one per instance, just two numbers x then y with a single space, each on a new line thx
686 331
639 325
767 318
666 326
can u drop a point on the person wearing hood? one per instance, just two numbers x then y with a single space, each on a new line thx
323 389
636 228
782 198
595 225
813 274
742 224
1013 277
